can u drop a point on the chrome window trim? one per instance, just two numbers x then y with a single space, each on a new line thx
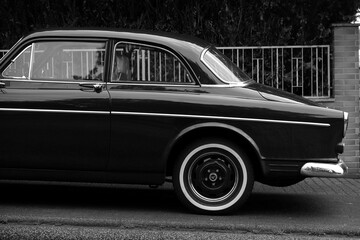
31 62
157 84
168 115
108 83
194 81
13 60
49 81
221 85
214 72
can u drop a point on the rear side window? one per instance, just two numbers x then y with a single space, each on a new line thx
146 64
59 61
223 67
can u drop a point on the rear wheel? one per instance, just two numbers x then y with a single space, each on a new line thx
213 177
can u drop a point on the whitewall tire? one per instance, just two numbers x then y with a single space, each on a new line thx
213 177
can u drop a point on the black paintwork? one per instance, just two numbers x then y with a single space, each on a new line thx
109 143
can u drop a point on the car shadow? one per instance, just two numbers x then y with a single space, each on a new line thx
284 204
138 198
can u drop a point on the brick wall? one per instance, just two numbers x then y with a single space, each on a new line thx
346 80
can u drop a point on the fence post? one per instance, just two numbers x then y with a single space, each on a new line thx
346 88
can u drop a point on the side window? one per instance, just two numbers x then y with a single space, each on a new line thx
19 67
68 61
59 61
145 64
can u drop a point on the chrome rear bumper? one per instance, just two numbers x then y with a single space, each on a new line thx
324 169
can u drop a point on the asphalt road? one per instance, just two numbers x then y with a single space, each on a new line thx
77 212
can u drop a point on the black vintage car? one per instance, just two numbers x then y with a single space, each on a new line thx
141 108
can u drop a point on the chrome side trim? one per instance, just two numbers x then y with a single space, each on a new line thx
219 118
53 111
167 115
312 169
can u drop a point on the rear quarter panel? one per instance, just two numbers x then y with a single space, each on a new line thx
146 120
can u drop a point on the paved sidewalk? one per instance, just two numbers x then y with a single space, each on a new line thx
326 186
324 207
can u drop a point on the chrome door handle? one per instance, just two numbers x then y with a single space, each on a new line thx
97 87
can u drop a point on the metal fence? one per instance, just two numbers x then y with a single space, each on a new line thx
303 70
2 53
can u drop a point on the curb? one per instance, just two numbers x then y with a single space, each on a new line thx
178 226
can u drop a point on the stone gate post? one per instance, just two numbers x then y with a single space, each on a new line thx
346 88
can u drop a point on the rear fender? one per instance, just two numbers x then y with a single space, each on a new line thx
209 129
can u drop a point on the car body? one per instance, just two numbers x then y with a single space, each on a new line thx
140 107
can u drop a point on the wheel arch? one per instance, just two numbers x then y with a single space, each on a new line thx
214 130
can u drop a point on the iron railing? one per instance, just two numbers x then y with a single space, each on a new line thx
3 52
303 70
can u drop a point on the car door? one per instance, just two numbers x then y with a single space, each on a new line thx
54 107
148 83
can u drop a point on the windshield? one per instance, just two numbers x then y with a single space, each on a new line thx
223 67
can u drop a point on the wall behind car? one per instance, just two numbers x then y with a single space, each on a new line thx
346 80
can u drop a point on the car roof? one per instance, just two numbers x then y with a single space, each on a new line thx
173 40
